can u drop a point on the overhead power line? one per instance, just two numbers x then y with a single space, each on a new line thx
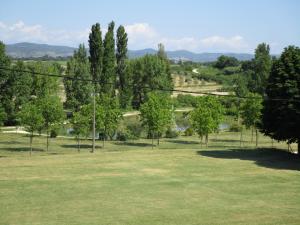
145 87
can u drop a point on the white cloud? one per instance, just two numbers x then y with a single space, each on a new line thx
20 32
140 35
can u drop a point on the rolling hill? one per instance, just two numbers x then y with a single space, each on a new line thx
26 50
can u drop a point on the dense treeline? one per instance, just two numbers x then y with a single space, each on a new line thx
266 91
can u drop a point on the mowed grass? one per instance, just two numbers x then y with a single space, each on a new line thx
129 183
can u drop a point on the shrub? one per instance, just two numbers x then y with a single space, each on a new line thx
235 128
53 134
189 131
171 133
135 130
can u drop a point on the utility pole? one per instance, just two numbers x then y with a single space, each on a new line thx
94 120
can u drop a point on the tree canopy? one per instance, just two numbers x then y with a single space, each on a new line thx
281 119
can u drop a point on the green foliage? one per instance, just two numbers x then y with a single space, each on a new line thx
171 133
226 61
206 117
96 55
240 86
3 115
262 65
110 114
281 119
235 127
189 131
251 110
78 92
45 85
31 117
53 133
149 73
156 114
52 112
124 73
81 123
16 91
108 78
161 52
4 75
186 100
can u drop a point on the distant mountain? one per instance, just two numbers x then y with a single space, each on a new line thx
27 50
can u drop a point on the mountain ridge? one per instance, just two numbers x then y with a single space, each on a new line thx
34 50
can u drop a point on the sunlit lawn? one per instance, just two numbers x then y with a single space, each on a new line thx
129 183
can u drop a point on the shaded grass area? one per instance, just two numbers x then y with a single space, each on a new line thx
129 183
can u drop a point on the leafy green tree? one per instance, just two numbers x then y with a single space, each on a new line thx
78 90
206 117
52 112
240 90
156 115
108 78
31 117
226 61
111 115
281 118
45 85
251 112
19 91
3 115
81 125
149 74
123 70
4 74
262 67
96 55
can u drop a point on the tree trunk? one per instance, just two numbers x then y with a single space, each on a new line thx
298 147
47 139
206 140
256 141
157 139
241 138
152 140
30 142
78 144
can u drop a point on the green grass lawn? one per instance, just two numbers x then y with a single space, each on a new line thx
129 183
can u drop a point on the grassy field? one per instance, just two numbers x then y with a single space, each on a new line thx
129 183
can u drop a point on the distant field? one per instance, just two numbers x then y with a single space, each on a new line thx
129 183
183 83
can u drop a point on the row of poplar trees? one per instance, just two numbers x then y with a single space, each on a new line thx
113 73
106 66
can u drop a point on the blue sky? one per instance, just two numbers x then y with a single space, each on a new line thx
195 25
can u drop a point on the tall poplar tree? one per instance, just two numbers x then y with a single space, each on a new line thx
123 73
262 68
108 78
96 54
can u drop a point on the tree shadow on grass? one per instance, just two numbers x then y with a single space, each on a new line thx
224 140
10 142
83 146
134 144
184 142
265 157
22 149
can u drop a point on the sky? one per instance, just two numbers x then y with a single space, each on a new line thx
195 25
